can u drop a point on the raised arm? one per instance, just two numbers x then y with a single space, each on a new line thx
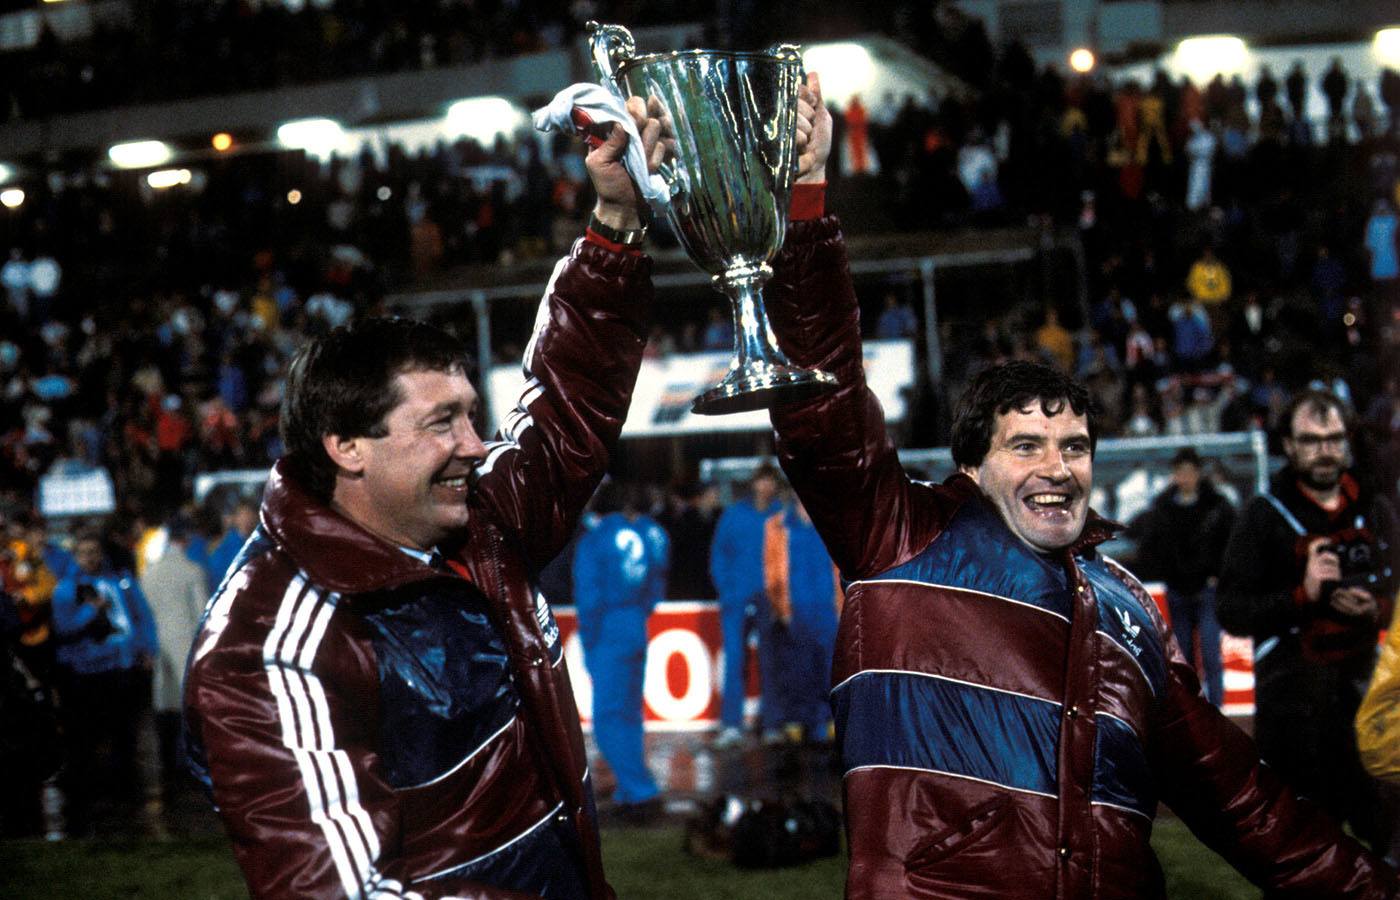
580 366
835 449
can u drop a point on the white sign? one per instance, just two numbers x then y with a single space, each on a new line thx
666 387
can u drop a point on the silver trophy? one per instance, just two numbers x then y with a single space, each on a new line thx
734 116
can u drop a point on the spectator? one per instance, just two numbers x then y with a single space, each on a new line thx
1200 148
176 590
1055 342
1192 340
239 523
620 570
1208 282
1382 229
1315 635
897 319
736 568
1183 539
1378 717
804 592
28 581
1334 83
106 646
690 520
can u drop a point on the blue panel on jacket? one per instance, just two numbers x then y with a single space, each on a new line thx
444 678
1121 773
1123 618
914 721
977 552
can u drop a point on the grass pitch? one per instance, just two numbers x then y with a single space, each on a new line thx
641 863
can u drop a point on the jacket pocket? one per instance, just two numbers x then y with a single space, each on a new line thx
947 842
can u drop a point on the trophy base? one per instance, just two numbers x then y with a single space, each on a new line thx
779 384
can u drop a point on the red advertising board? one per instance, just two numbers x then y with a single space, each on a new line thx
685 658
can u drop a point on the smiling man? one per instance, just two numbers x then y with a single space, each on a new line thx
1010 707
376 698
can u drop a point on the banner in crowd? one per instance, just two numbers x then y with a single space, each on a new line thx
681 690
666 387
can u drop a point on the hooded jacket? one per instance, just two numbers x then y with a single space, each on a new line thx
372 725
1008 721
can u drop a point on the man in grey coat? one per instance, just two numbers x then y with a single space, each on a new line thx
176 589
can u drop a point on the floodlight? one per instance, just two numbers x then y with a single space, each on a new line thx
846 69
319 137
222 141
1387 47
482 118
6 173
168 178
1082 60
11 198
1202 58
139 154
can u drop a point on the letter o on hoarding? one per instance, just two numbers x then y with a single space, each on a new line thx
657 688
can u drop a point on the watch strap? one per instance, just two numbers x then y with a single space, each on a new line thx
627 237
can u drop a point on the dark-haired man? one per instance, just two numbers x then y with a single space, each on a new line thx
1284 584
1010 706
376 696
1183 540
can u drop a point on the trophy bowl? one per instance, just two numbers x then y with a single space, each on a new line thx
734 118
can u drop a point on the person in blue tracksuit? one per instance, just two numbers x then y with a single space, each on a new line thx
240 522
804 592
736 568
619 574
106 639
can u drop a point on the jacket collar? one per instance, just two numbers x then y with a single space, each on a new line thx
334 552
1097 529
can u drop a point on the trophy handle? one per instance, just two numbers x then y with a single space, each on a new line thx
786 53
610 47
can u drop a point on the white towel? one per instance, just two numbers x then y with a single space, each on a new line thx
580 105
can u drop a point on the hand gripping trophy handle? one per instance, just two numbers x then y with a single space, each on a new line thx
734 116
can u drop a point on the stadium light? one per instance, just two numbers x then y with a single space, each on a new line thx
319 137
482 118
139 154
168 178
11 198
846 69
1387 46
1082 60
222 141
1202 58
6 173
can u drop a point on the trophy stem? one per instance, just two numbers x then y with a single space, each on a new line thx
754 343
759 373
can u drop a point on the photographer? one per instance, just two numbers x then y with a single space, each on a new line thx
106 643
1307 575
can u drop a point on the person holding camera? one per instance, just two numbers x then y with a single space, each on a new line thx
106 639
1308 575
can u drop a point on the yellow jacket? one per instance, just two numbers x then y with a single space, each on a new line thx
1378 719
1209 282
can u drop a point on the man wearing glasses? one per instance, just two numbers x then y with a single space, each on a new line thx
1308 575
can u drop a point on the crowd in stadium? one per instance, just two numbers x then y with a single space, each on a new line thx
1236 252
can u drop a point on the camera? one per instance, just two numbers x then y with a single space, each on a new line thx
1364 564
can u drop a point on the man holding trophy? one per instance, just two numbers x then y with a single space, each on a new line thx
377 698
1010 707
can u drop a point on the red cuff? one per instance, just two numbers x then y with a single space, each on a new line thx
594 237
808 202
